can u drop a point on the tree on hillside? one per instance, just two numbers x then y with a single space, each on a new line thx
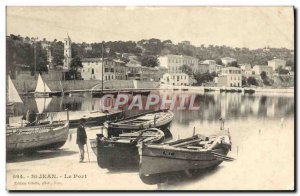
219 62
41 59
75 63
149 61
252 81
152 46
186 69
73 72
282 71
167 42
290 63
233 64
57 50
204 77
265 78
244 81
263 75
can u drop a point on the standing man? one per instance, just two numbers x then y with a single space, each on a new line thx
81 139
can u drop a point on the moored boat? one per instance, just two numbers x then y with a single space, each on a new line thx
191 154
92 118
249 91
208 89
34 138
155 119
141 92
122 151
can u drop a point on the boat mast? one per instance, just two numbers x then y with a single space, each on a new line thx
34 55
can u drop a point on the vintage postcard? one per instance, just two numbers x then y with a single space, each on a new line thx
150 98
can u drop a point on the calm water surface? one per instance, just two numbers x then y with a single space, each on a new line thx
261 126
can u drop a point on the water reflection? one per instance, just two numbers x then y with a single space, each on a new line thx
229 106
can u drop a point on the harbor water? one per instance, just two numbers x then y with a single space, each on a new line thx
261 128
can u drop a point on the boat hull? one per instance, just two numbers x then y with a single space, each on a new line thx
156 164
91 119
36 138
116 131
112 156
95 121
122 152
116 128
41 94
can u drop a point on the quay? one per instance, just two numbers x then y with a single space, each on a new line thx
146 91
203 89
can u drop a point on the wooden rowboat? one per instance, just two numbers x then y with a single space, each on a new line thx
122 151
190 154
94 118
156 119
39 137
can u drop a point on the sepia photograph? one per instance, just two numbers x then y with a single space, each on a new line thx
173 98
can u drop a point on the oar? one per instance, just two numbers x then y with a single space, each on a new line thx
87 149
222 157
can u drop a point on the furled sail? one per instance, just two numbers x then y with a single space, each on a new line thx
13 95
41 86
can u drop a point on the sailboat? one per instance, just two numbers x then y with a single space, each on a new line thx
36 137
42 104
42 89
12 95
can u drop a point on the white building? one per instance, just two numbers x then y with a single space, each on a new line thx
92 70
229 77
212 65
219 68
67 52
227 60
174 62
203 68
258 69
175 79
246 69
276 63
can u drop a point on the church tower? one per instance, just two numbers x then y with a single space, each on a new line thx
67 52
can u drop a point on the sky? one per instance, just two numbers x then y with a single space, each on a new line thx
251 27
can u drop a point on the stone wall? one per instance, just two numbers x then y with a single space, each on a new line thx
54 85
